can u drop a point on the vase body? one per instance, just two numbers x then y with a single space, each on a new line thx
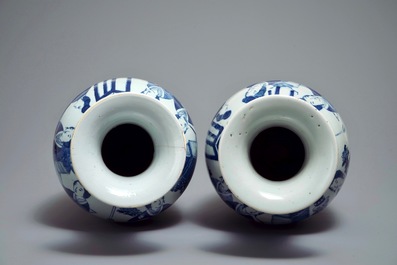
125 149
277 152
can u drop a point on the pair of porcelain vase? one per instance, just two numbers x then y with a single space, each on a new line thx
125 150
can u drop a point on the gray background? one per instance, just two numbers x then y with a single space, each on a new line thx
203 52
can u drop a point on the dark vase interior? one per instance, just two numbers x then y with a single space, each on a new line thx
277 154
127 150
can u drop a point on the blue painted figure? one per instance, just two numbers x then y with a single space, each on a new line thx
337 182
320 204
269 88
290 218
246 211
156 92
156 207
150 210
135 213
82 103
345 158
183 118
319 102
253 92
62 149
279 83
191 150
222 189
216 129
80 195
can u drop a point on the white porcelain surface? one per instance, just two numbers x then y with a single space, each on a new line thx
286 105
152 184
79 161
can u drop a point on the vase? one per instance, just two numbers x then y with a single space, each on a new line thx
277 152
125 149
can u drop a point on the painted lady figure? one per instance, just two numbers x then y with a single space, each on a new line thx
62 140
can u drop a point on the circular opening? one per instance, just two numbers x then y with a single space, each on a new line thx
277 154
127 150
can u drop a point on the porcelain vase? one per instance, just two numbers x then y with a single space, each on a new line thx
125 149
277 152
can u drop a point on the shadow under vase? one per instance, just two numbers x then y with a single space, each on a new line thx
96 236
246 238
62 212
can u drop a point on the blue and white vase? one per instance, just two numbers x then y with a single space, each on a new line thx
277 152
125 149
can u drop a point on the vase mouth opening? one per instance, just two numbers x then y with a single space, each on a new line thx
127 150
277 153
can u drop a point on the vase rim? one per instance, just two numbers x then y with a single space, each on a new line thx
278 197
169 150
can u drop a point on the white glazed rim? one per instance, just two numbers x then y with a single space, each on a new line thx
278 197
169 155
